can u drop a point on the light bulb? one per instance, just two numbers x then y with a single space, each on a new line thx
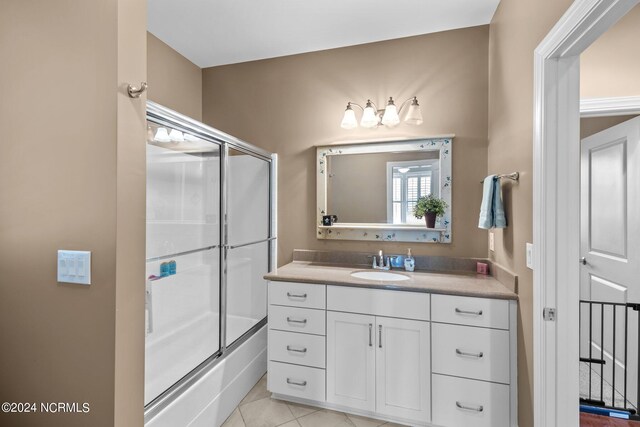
176 136
162 135
390 117
349 120
369 116
414 115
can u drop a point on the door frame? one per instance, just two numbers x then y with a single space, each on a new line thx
556 197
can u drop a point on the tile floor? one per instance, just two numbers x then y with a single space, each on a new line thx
258 409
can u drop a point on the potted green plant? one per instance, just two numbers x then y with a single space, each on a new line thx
430 207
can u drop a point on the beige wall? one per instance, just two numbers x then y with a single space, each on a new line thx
516 29
610 67
72 176
174 81
593 125
289 105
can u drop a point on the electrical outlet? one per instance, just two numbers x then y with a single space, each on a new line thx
530 255
491 242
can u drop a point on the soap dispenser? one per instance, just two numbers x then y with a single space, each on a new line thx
409 262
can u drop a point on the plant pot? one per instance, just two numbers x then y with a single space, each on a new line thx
430 219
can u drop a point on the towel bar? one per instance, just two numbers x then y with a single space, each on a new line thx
513 176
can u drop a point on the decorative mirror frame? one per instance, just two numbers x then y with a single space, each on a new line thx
383 231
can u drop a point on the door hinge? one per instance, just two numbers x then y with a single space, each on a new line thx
549 314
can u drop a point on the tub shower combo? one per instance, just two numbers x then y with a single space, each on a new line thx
210 240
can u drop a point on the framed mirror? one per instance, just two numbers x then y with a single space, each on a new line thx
368 191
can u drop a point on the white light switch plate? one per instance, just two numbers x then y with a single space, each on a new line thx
491 242
74 267
530 255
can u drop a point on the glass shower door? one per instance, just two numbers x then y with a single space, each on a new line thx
247 258
183 256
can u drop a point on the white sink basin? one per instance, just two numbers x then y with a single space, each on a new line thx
379 275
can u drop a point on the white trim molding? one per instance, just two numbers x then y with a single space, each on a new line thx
556 201
605 107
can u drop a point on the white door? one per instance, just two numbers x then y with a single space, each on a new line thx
351 360
610 247
403 368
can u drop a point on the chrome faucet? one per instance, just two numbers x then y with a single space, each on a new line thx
384 263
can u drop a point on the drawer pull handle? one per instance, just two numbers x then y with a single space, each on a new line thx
300 383
290 295
290 320
471 313
464 353
379 336
479 408
370 334
297 350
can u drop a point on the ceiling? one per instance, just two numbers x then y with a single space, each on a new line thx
218 32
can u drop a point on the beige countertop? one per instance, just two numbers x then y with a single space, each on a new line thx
454 283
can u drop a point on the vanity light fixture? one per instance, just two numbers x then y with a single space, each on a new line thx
163 135
390 116
176 135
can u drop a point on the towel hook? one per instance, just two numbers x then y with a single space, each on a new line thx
135 92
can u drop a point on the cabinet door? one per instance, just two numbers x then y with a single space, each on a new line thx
403 368
351 360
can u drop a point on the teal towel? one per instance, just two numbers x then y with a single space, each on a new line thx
491 209
499 220
486 207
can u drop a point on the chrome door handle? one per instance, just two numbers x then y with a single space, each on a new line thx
379 336
472 313
302 383
290 295
290 320
370 335
464 353
297 350
583 261
479 408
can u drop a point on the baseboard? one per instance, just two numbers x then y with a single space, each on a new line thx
214 397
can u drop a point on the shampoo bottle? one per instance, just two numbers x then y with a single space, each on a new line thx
409 262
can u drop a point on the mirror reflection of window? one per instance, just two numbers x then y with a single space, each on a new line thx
410 180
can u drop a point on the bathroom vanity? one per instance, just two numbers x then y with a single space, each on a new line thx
433 349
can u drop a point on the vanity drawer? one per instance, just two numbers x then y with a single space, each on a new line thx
301 349
469 352
297 294
297 381
484 312
378 302
459 402
294 319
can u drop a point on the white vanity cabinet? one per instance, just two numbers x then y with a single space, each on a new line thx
474 361
351 360
296 347
379 364
409 357
378 357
